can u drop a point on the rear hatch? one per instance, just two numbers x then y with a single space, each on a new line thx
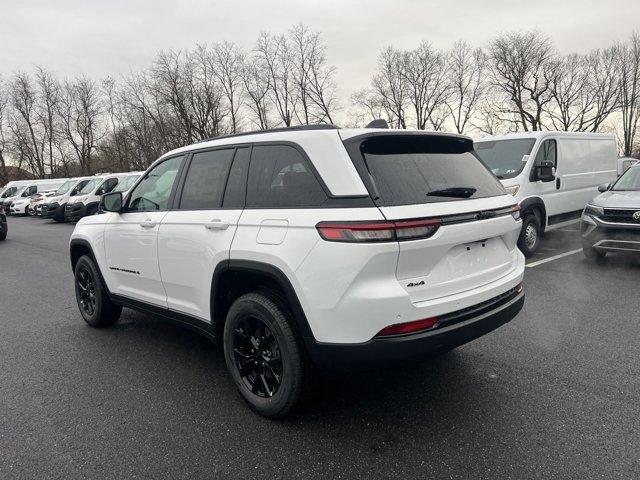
439 177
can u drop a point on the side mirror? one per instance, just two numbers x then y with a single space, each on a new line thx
544 172
111 202
604 187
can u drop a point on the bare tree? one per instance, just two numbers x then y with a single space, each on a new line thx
427 85
3 140
389 85
80 109
49 97
521 67
276 58
27 136
585 90
257 85
466 76
228 61
629 67
369 106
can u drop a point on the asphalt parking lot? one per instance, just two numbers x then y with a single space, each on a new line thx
553 394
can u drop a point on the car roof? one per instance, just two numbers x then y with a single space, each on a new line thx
322 143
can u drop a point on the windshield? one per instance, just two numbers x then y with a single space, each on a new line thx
91 186
9 192
126 183
504 157
630 180
65 187
415 169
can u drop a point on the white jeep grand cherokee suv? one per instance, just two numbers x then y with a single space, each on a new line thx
309 247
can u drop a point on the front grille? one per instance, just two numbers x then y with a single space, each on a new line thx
619 215
479 308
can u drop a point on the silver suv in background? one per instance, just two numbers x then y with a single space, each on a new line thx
611 221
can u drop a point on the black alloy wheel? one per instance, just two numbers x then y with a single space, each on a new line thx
257 357
86 291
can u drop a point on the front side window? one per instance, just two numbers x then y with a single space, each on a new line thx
504 157
9 192
417 169
154 191
279 176
78 188
205 180
629 181
107 186
547 153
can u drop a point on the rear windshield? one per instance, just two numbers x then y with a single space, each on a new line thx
504 157
417 169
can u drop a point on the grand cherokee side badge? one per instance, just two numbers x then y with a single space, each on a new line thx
416 284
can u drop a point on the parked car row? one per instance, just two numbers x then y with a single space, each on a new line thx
62 199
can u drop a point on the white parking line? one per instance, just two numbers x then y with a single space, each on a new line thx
555 257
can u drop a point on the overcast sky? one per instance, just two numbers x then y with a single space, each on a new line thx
112 37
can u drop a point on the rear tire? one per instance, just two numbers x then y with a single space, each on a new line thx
530 234
94 303
266 359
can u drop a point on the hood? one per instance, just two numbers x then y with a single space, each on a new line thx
78 199
618 199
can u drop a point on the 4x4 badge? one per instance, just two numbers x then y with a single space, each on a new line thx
416 284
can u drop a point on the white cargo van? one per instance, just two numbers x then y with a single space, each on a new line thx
552 175
27 189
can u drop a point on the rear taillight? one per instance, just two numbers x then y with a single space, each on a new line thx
409 327
378 231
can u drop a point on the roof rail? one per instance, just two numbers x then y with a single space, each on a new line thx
322 126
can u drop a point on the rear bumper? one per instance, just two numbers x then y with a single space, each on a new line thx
458 328
610 237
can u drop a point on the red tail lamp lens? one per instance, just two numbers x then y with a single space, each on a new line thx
378 231
409 327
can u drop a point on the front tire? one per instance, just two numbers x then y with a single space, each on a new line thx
530 234
93 299
264 355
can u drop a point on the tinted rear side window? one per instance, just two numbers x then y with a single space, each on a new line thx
207 175
420 169
279 176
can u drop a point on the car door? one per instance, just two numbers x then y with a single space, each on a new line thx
196 235
131 246
550 191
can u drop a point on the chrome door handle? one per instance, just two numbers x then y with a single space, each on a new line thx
216 224
148 224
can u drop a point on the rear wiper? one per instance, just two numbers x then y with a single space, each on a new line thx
455 192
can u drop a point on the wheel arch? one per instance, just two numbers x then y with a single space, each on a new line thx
233 278
533 204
